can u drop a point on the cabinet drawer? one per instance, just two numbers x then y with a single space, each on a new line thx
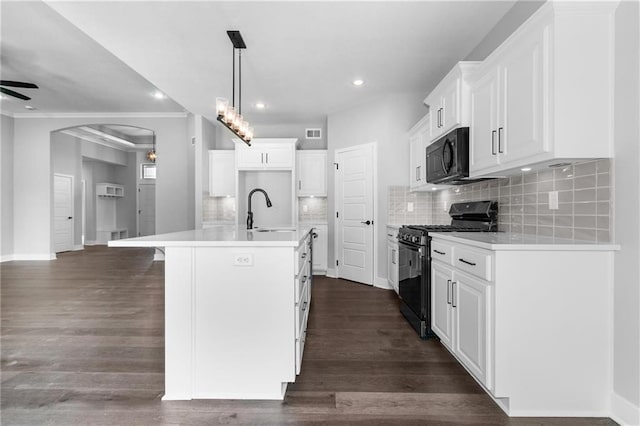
301 282
475 262
299 350
302 310
442 252
302 255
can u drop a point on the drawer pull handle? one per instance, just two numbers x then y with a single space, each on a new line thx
303 255
448 292
467 262
437 251
304 279
304 306
453 295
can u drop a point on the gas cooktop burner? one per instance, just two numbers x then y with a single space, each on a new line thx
448 228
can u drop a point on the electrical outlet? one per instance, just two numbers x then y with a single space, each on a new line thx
245 259
409 207
553 200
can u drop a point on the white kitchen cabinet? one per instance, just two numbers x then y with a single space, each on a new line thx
392 258
419 138
519 328
459 312
528 102
222 173
311 170
273 155
448 102
320 249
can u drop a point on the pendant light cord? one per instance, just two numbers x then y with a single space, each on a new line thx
233 77
240 81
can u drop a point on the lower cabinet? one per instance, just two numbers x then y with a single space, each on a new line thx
392 259
320 249
459 313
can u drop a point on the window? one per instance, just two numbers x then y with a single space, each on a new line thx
148 171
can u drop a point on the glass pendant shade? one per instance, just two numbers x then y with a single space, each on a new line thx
221 106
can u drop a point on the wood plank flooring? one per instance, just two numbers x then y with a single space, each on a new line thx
82 343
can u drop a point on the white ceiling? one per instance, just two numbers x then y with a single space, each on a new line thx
300 59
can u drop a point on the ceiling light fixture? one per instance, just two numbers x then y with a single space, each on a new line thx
159 95
358 82
226 113
526 169
260 105
107 136
151 155
29 107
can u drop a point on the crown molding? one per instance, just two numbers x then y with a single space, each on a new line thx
101 115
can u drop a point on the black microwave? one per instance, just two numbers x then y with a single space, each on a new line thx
448 158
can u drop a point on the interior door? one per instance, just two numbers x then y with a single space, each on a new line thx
63 212
146 210
354 202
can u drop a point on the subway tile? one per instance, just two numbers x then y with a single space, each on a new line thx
545 220
530 219
603 208
516 189
560 232
530 188
585 195
545 186
563 185
546 231
603 236
585 234
516 219
603 179
516 180
516 227
584 208
602 222
565 196
530 199
563 220
603 194
585 222
604 165
563 172
564 208
585 182
504 182
529 229
530 178
516 199
543 209
530 209
544 175
585 169
504 227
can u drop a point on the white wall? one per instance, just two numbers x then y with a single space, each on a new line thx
205 139
6 188
626 355
32 180
126 207
66 159
384 120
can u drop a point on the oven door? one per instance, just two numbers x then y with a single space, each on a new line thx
412 263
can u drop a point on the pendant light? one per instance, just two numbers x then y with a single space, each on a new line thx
227 114
151 155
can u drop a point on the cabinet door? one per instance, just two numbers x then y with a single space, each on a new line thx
416 169
311 168
470 308
392 265
451 113
483 129
522 99
320 249
441 310
279 157
249 157
222 173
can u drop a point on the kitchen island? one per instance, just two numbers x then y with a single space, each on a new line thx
236 309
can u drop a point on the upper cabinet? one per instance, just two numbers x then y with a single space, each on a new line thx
448 102
222 173
419 138
311 168
541 97
277 154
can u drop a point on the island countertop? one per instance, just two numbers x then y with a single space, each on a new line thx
221 236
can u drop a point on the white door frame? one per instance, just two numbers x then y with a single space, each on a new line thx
73 211
376 222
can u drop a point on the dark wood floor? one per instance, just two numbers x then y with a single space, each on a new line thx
82 343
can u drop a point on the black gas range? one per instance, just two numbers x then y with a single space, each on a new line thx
415 258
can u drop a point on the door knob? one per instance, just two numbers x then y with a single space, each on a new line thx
70 217
367 222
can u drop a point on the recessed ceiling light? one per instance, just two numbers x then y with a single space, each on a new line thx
434 189
158 95
358 82
29 107
526 169
259 105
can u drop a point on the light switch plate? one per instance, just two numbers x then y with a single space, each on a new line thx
553 200
243 259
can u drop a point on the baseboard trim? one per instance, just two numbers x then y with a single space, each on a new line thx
332 273
78 247
19 257
382 283
6 258
91 243
623 411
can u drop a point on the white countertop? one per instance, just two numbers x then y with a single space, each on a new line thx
514 241
219 236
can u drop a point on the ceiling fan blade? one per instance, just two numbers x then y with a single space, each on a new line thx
18 84
14 94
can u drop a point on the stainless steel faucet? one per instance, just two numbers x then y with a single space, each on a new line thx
249 212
